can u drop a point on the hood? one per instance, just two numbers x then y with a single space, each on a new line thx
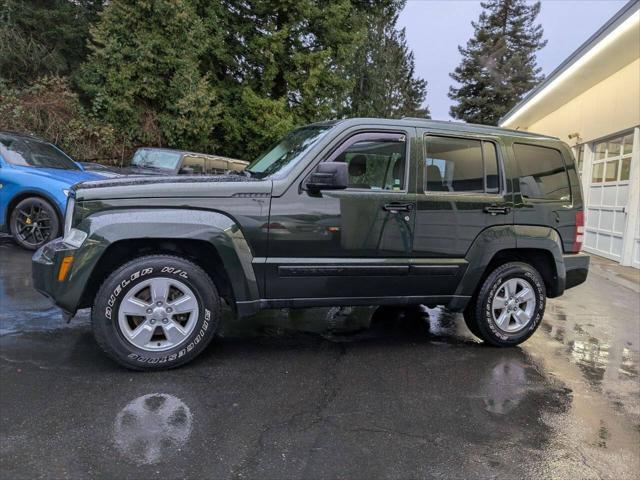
173 186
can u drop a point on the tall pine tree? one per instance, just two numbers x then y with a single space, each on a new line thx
499 63
144 74
290 67
385 84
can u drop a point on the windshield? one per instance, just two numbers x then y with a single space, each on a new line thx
28 152
146 158
287 151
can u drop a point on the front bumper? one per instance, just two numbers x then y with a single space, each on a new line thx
577 268
45 265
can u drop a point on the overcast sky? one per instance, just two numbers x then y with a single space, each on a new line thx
435 28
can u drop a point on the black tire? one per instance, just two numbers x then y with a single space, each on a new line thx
479 316
34 222
105 314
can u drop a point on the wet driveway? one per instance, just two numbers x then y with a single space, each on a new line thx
327 393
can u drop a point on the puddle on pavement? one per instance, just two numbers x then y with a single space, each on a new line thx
152 428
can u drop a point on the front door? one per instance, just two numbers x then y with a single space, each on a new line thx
347 243
461 191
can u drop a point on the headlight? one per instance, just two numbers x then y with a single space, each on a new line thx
66 192
75 238
68 216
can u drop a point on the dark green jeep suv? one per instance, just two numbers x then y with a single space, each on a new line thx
481 220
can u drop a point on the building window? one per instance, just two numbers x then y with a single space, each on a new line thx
612 161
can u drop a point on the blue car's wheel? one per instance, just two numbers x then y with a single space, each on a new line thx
33 223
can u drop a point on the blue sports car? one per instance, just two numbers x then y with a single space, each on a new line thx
35 177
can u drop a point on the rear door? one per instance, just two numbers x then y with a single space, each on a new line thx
461 191
544 194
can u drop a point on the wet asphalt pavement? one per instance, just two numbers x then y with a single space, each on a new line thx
327 393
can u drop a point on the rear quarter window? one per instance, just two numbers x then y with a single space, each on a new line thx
542 173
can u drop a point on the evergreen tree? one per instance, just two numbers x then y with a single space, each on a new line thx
290 67
144 74
385 84
499 63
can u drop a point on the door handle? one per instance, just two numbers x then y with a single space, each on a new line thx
397 207
496 210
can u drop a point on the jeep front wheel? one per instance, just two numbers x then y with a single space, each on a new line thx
509 306
156 312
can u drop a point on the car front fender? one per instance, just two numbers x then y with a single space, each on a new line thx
106 228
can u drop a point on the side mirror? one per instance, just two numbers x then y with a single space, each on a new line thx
329 176
186 171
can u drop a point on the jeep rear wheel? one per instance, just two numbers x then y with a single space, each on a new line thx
156 312
509 306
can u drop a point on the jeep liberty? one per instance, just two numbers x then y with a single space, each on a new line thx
480 220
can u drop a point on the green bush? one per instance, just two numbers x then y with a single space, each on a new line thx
50 109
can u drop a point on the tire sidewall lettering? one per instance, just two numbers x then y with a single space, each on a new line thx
108 313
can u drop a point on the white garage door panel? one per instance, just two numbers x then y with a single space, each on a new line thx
608 198
635 259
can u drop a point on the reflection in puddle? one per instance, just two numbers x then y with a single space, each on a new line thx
591 357
504 387
628 368
152 428
593 352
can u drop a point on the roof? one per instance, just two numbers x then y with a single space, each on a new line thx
586 53
438 125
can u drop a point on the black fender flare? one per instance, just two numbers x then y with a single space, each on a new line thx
219 230
506 237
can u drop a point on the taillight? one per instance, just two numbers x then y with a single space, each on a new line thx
579 237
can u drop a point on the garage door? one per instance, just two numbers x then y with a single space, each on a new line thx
635 258
609 197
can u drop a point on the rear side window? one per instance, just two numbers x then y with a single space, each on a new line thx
542 173
195 163
461 165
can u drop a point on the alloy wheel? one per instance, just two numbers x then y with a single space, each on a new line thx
158 314
33 223
513 305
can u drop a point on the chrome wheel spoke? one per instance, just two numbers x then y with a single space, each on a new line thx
184 304
134 306
159 289
504 319
508 288
524 295
174 332
141 336
499 303
521 317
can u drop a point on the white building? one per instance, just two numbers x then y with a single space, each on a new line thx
592 102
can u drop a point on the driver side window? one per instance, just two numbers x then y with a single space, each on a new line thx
375 164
